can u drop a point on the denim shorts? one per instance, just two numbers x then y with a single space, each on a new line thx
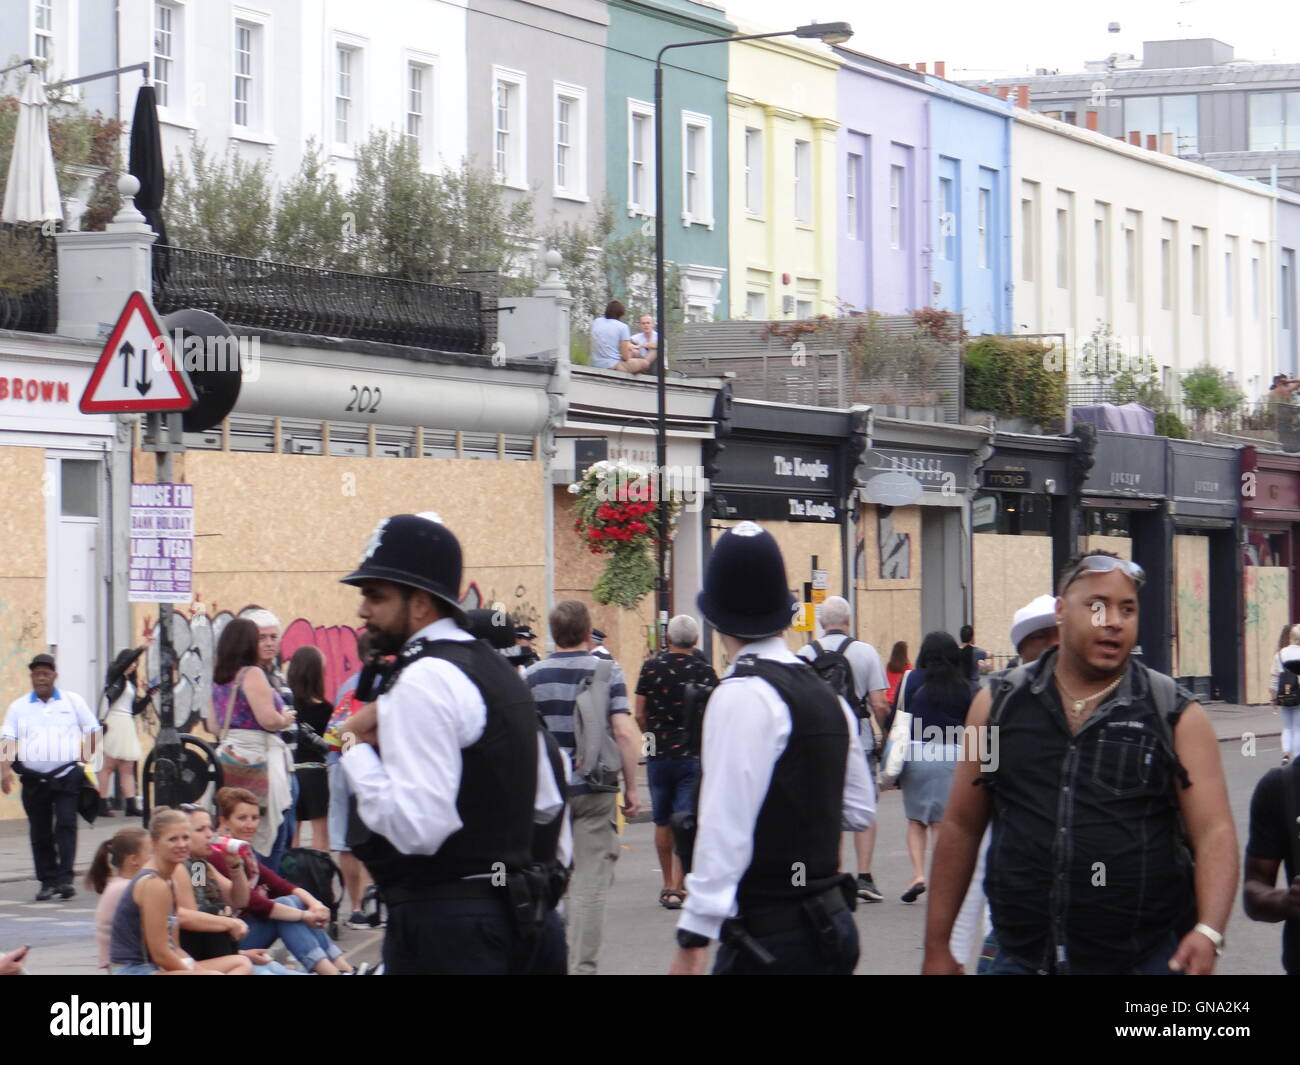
672 786
140 968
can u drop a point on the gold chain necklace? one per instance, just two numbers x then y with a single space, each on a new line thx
1079 704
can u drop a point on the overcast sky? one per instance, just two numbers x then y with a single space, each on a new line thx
1008 37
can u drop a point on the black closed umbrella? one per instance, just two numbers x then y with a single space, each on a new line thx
146 165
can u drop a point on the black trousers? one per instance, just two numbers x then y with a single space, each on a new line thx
796 953
463 937
51 808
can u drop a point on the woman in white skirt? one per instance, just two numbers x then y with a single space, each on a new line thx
121 707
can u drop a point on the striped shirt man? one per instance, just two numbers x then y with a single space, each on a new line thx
555 682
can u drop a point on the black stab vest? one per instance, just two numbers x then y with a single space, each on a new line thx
497 788
797 835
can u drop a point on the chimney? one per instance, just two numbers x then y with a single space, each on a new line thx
1135 137
1151 143
986 90
920 68
1022 96
1090 120
940 69
1004 91
1167 143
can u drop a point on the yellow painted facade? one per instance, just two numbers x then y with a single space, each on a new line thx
787 93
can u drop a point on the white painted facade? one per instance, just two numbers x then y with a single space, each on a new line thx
1176 257
264 76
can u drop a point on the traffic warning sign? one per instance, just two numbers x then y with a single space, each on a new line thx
137 371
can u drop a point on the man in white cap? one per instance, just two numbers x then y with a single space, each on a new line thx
1033 631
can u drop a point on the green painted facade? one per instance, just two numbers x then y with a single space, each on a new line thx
695 81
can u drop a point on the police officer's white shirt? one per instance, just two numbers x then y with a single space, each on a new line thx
429 716
49 733
746 729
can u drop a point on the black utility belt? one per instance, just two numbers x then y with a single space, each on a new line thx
791 915
478 888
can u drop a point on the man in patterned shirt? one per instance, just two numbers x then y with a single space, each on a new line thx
673 762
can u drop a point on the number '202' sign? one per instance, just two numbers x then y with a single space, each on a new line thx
364 400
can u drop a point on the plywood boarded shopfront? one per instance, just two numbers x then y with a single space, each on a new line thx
1270 514
278 531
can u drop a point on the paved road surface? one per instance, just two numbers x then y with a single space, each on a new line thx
639 932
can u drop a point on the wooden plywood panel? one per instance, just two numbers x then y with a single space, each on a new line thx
22 472
1266 591
896 534
1117 545
1009 571
885 617
22 635
1191 606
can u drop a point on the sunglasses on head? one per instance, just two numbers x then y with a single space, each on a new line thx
1107 564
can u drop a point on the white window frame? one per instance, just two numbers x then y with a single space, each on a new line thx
41 33
1197 254
515 173
357 125
692 120
176 105
1167 254
853 194
1063 257
259 109
897 197
1229 279
947 209
640 109
754 171
804 201
985 204
575 185
750 297
1255 287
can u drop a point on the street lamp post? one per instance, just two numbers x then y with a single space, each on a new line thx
831 33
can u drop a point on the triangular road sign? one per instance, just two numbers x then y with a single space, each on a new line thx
136 371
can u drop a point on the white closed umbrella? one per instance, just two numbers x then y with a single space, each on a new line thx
32 189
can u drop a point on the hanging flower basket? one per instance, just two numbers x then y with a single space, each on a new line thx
617 515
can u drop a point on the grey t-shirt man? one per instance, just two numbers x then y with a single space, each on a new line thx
868 672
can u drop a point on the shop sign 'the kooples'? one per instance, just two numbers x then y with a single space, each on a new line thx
814 471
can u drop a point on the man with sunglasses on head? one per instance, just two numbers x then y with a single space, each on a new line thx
1099 762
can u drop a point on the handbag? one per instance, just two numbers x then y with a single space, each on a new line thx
897 746
237 772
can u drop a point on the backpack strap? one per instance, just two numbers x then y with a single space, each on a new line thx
1165 695
1003 686
818 649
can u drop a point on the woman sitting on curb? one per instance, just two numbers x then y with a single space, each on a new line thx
275 908
205 897
143 937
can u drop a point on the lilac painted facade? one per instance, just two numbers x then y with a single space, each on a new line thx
883 183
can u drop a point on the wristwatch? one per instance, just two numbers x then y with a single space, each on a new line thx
1214 937
691 940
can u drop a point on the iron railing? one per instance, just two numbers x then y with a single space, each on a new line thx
260 294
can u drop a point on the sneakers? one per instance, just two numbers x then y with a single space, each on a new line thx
372 906
65 891
867 890
45 894
358 920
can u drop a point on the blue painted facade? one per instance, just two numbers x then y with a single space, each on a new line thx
970 250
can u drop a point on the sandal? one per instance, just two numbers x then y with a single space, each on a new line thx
671 899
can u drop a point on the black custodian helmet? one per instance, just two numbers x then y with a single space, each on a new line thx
416 550
745 592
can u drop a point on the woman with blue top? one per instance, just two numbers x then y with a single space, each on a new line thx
937 693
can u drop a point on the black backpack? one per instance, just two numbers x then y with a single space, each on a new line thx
1288 687
317 874
835 669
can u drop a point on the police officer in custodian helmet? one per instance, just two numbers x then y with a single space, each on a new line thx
447 766
782 772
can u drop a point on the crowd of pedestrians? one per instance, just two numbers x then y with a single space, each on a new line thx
441 773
